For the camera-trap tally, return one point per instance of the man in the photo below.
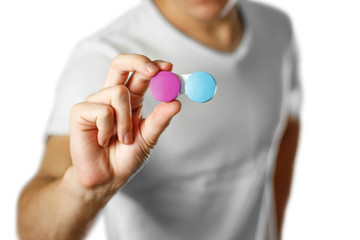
(222, 170)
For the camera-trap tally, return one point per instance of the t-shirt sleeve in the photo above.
(293, 86)
(83, 75)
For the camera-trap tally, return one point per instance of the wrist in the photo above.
(95, 197)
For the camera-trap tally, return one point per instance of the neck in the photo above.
(222, 33)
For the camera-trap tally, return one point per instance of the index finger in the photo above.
(123, 64)
(138, 83)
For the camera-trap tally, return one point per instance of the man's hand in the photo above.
(109, 140)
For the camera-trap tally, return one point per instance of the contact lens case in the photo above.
(199, 86)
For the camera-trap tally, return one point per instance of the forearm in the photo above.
(284, 169)
(57, 208)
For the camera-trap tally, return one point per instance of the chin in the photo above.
(207, 10)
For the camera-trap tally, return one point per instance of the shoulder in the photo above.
(108, 39)
(269, 13)
(270, 19)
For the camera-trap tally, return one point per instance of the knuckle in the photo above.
(107, 112)
(125, 125)
(138, 61)
(75, 112)
(120, 90)
(160, 62)
(90, 97)
(142, 58)
(75, 109)
(116, 62)
(133, 60)
(117, 59)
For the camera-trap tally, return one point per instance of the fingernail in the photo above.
(151, 67)
(128, 139)
(164, 64)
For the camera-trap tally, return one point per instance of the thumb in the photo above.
(158, 120)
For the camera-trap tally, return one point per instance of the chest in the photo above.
(231, 129)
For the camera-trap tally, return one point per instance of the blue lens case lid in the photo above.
(200, 86)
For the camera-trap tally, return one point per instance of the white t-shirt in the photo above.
(210, 175)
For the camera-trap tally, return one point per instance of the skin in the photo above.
(109, 140)
(284, 169)
(208, 26)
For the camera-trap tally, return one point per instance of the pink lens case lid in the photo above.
(165, 86)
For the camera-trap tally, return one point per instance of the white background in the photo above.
(38, 35)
